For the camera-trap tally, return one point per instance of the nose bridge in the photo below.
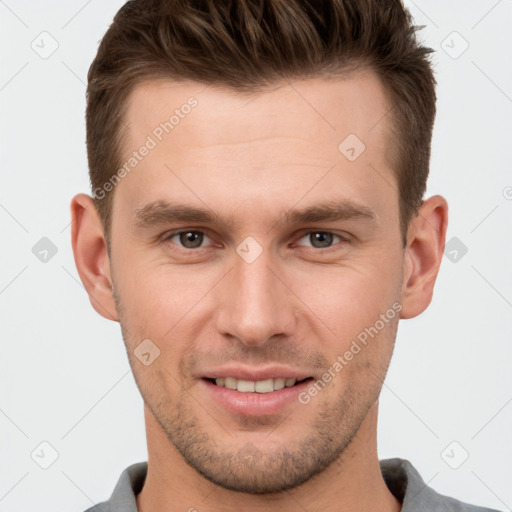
(255, 305)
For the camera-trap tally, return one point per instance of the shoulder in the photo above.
(100, 507)
(123, 498)
(404, 481)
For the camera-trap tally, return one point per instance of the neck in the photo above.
(352, 483)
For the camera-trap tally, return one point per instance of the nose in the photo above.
(255, 301)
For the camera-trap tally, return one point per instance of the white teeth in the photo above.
(259, 386)
(264, 386)
(245, 386)
(279, 383)
(230, 382)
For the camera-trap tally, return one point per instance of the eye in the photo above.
(193, 239)
(188, 238)
(321, 239)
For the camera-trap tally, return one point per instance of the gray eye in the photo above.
(320, 239)
(191, 239)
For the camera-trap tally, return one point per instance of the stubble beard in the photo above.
(250, 469)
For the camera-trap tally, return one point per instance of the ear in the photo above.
(91, 256)
(423, 254)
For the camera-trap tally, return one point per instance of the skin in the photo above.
(250, 159)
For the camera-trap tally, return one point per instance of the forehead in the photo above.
(231, 147)
(353, 103)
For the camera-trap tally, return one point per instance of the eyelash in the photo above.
(169, 235)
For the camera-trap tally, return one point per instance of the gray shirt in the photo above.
(400, 476)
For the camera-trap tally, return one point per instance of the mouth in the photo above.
(255, 398)
(256, 386)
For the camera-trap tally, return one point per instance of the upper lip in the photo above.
(256, 373)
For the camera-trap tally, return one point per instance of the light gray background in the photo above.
(64, 372)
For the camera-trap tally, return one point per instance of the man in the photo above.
(258, 229)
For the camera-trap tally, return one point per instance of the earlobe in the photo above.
(423, 255)
(91, 257)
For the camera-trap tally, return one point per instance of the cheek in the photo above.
(358, 364)
(157, 297)
(351, 298)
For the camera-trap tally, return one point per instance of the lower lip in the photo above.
(255, 404)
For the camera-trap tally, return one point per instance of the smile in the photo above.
(258, 386)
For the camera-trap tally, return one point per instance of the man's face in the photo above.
(259, 291)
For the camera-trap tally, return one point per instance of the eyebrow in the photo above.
(165, 212)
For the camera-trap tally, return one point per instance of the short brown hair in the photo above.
(245, 45)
